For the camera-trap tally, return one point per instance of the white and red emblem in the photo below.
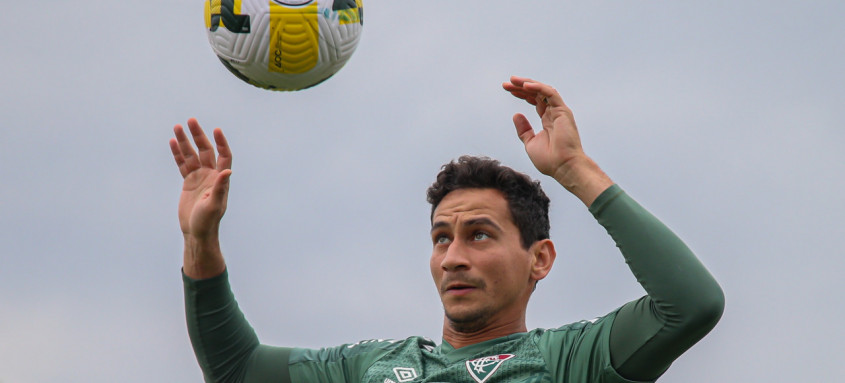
(482, 369)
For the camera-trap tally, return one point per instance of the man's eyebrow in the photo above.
(482, 221)
(438, 225)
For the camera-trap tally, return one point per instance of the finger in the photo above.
(544, 93)
(517, 84)
(528, 97)
(521, 87)
(520, 92)
(188, 154)
(545, 96)
(514, 85)
(519, 80)
(224, 153)
(523, 128)
(221, 187)
(539, 102)
(206, 151)
(178, 157)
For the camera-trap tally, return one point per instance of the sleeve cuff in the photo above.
(605, 198)
(207, 283)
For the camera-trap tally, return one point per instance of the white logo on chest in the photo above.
(482, 369)
(405, 374)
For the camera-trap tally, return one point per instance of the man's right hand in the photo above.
(204, 195)
(556, 150)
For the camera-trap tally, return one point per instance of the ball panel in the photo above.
(294, 39)
(287, 47)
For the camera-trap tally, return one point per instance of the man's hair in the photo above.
(528, 204)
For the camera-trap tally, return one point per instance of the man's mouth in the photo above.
(459, 288)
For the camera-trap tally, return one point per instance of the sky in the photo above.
(725, 119)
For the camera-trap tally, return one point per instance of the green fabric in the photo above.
(684, 301)
(222, 338)
(573, 353)
(638, 341)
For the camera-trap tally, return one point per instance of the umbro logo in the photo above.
(482, 369)
(404, 374)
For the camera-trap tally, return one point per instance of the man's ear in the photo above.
(543, 257)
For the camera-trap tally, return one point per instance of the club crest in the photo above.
(482, 369)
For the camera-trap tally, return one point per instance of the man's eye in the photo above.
(441, 240)
(479, 236)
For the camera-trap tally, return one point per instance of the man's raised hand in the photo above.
(556, 150)
(557, 143)
(204, 195)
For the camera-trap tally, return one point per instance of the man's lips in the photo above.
(460, 284)
(459, 288)
(460, 291)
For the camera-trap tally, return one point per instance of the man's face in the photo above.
(481, 270)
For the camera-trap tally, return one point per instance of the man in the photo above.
(490, 248)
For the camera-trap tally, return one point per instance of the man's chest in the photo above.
(517, 363)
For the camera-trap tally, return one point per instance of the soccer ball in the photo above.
(284, 44)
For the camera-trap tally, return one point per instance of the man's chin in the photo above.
(468, 322)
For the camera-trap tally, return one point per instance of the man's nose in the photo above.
(456, 257)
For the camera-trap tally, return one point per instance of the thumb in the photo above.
(523, 128)
(221, 186)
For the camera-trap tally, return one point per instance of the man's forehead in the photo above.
(472, 203)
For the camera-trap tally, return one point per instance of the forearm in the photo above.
(684, 301)
(202, 258)
(222, 339)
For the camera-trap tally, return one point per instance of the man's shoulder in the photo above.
(389, 344)
(579, 325)
(364, 347)
(577, 329)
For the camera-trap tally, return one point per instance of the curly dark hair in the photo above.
(528, 204)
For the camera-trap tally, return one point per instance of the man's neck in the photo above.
(457, 338)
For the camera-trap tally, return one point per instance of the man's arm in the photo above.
(225, 344)
(684, 302)
(204, 196)
(226, 347)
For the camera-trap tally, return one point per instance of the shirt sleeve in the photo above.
(344, 363)
(684, 301)
(225, 345)
(579, 352)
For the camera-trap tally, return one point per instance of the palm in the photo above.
(558, 142)
(205, 189)
(197, 210)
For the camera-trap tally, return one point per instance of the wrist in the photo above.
(202, 257)
(582, 177)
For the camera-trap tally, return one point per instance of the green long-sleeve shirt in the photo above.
(636, 342)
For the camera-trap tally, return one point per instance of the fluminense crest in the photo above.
(482, 369)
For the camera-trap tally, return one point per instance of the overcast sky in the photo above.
(726, 119)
